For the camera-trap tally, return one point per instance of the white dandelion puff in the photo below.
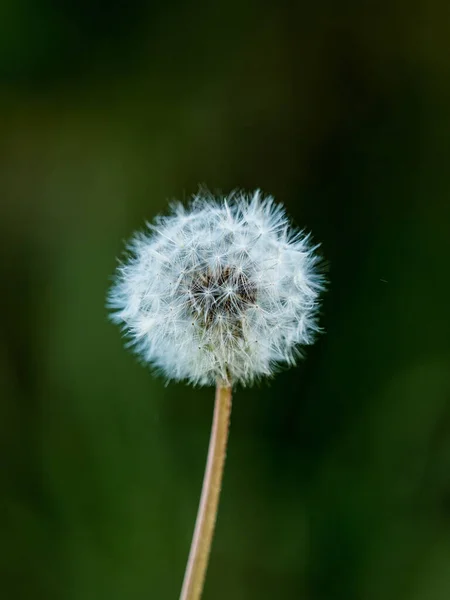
(223, 289)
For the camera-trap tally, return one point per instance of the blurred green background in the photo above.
(337, 483)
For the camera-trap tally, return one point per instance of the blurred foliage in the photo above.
(338, 475)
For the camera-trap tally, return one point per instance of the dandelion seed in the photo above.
(189, 284)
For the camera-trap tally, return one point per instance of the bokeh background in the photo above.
(337, 483)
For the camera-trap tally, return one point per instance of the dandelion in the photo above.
(222, 290)
(219, 293)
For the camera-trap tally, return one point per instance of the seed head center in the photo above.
(219, 295)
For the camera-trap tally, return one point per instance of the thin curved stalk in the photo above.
(194, 576)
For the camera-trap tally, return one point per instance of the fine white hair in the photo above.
(221, 290)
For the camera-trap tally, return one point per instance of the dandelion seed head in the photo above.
(223, 289)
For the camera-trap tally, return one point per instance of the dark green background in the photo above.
(337, 483)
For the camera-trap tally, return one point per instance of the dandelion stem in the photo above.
(194, 576)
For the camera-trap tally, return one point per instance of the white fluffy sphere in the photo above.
(222, 290)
